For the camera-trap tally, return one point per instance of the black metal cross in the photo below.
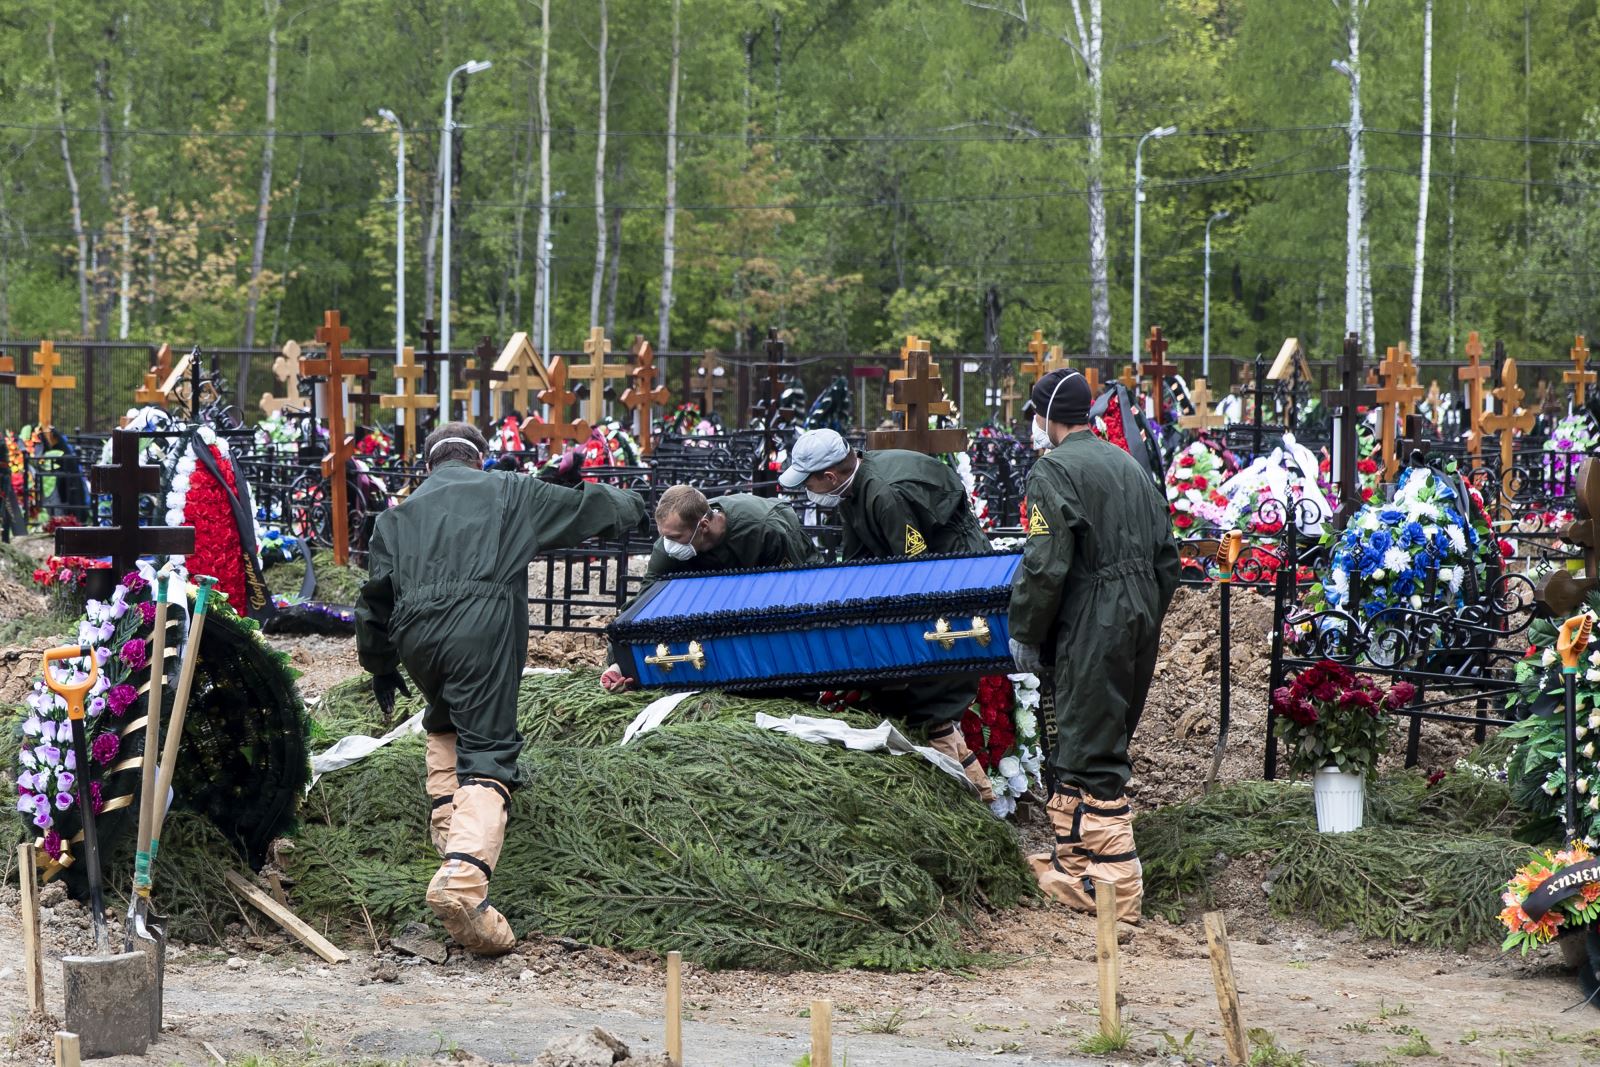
(430, 357)
(1348, 399)
(776, 366)
(483, 375)
(366, 398)
(1416, 441)
(124, 479)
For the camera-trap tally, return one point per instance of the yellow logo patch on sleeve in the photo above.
(1036, 523)
(916, 544)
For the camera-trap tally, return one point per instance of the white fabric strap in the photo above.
(451, 440)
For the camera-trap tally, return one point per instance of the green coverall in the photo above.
(761, 533)
(447, 595)
(905, 503)
(1097, 574)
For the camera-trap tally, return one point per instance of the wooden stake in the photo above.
(32, 959)
(67, 1052)
(822, 1033)
(1105, 933)
(675, 1007)
(1233, 1032)
(285, 918)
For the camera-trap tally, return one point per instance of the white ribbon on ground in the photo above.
(884, 737)
(654, 714)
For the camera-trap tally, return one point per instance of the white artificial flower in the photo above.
(207, 436)
(1339, 581)
(1010, 767)
(1548, 659)
(1172, 492)
(1594, 802)
(1581, 732)
(1379, 575)
(1583, 785)
(1182, 505)
(1594, 720)
(174, 517)
(1369, 520)
(1002, 806)
(1588, 750)
(1396, 559)
(1027, 724)
(1458, 540)
(180, 483)
(1592, 675)
(1416, 600)
(175, 501)
(1017, 783)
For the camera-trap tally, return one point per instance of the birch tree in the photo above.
(1356, 283)
(541, 259)
(1085, 40)
(258, 249)
(670, 224)
(1423, 177)
(600, 178)
(72, 184)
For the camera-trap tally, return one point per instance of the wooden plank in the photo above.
(822, 1033)
(1233, 1031)
(285, 918)
(1105, 933)
(675, 1007)
(32, 958)
(67, 1050)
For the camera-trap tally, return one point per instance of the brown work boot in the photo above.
(459, 892)
(1094, 843)
(946, 738)
(441, 764)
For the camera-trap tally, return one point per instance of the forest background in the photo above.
(845, 170)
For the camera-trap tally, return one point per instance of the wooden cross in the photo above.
(596, 372)
(406, 399)
(1349, 399)
(430, 356)
(1130, 379)
(287, 369)
(482, 372)
(44, 379)
(1009, 397)
(366, 397)
(1507, 421)
(644, 395)
(896, 374)
(1038, 347)
(174, 371)
(8, 371)
(1203, 418)
(1433, 400)
(1582, 377)
(1397, 398)
(558, 397)
(334, 367)
(711, 374)
(1158, 367)
(524, 373)
(919, 393)
(1473, 374)
(150, 392)
(163, 365)
(124, 479)
(769, 409)
(1092, 376)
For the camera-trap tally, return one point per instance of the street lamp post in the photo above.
(473, 67)
(1138, 224)
(1205, 330)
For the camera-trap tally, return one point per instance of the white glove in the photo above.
(1027, 658)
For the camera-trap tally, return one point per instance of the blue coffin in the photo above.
(820, 627)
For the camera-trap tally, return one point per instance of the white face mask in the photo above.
(680, 551)
(835, 498)
(1041, 438)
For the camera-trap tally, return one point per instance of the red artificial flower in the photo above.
(218, 551)
(1366, 495)
(1199, 481)
(1367, 466)
(1182, 520)
(1186, 460)
(1506, 551)
(1435, 778)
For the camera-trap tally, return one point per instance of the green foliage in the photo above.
(1099, 1044)
(736, 845)
(335, 584)
(1427, 867)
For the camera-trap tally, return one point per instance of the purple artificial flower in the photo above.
(49, 755)
(96, 706)
(105, 748)
(96, 801)
(63, 801)
(135, 654)
(25, 804)
(133, 581)
(25, 782)
(65, 780)
(71, 762)
(147, 609)
(52, 845)
(119, 697)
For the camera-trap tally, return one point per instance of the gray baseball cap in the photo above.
(813, 451)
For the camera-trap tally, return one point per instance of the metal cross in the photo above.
(124, 479)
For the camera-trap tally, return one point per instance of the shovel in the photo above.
(156, 924)
(137, 932)
(101, 991)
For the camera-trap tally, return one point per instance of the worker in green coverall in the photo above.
(734, 532)
(447, 596)
(892, 502)
(1098, 572)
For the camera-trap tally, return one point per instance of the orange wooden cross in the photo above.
(711, 374)
(150, 392)
(1009, 397)
(644, 395)
(1396, 396)
(163, 365)
(1038, 347)
(1203, 418)
(287, 369)
(1582, 377)
(902, 372)
(8, 371)
(334, 368)
(920, 393)
(1507, 421)
(1092, 376)
(1474, 374)
(406, 400)
(559, 398)
(1158, 368)
(1130, 379)
(45, 381)
(596, 372)
(524, 373)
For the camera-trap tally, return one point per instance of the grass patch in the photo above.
(335, 584)
(1099, 1044)
(41, 629)
(1426, 868)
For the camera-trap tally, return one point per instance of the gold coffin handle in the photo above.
(695, 657)
(947, 637)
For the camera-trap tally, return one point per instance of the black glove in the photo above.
(568, 471)
(384, 687)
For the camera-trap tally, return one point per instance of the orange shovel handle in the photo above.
(75, 692)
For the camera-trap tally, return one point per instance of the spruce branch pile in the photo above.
(1427, 868)
(736, 845)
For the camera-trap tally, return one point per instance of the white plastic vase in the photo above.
(1341, 800)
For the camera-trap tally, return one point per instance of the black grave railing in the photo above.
(56, 487)
(1462, 659)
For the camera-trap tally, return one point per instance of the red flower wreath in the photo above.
(1113, 422)
(217, 549)
(987, 726)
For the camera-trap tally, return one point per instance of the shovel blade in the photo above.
(148, 939)
(102, 993)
